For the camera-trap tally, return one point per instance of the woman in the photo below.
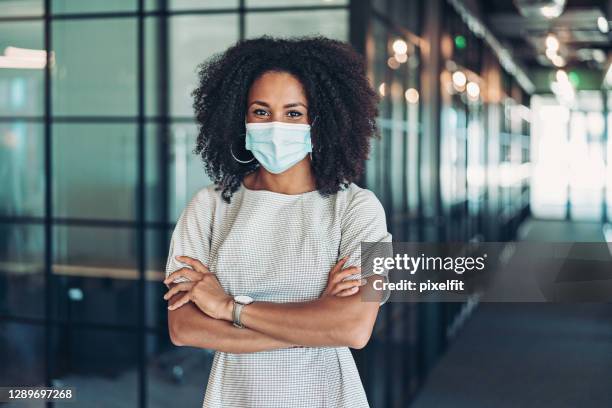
(264, 264)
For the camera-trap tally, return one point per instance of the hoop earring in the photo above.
(238, 160)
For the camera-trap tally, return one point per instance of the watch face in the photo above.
(244, 299)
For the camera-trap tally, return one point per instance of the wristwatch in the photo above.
(240, 301)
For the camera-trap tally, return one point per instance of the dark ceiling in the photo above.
(582, 44)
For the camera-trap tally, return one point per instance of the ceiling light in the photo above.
(24, 58)
(558, 61)
(381, 89)
(552, 42)
(412, 95)
(21, 63)
(11, 51)
(393, 63)
(473, 90)
(550, 11)
(400, 46)
(459, 79)
(562, 76)
(401, 58)
(553, 9)
(540, 8)
(602, 24)
(599, 56)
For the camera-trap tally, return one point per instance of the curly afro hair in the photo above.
(338, 92)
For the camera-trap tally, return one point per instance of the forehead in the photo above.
(277, 86)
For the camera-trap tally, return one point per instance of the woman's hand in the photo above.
(337, 286)
(204, 290)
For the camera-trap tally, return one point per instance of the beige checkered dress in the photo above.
(280, 248)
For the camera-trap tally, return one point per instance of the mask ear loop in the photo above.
(311, 126)
(237, 159)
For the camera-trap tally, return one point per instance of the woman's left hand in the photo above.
(206, 292)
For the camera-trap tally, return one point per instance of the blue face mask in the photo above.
(278, 146)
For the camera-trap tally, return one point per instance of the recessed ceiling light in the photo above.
(558, 61)
(399, 46)
(602, 24)
(459, 79)
(552, 42)
(550, 53)
(562, 76)
(473, 90)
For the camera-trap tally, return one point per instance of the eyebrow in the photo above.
(289, 105)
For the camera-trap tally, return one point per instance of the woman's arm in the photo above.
(188, 326)
(327, 321)
(197, 329)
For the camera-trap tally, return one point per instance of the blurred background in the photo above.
(495, 122)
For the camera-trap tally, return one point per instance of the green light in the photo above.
(574, 78)
(460, 42)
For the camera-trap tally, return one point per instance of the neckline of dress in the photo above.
(274, 193)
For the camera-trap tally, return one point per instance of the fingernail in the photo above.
(355, 288)
(177, 256)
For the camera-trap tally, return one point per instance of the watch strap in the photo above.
(237, 310)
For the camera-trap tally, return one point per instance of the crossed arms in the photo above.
(199, 314)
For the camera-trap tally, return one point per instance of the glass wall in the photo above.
(462, 139)
(393, 54)
(96, 140)
(389, 367)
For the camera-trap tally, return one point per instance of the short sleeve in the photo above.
(364, 221)
(192, 233)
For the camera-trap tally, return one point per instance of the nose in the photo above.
(276, 116)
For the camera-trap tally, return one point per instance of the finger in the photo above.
(179, 287)
(186, 273)
(347, 284)
(348, 292)
(338, 266)
(183, 300)
(346, 272)
(194, 263)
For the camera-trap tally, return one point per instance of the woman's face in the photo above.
(277, 97)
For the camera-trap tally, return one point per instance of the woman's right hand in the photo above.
(337, 286)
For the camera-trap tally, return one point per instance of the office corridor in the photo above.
(532, 354)
(492, 125)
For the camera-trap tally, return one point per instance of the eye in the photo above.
(260, 112)
(294, 114)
